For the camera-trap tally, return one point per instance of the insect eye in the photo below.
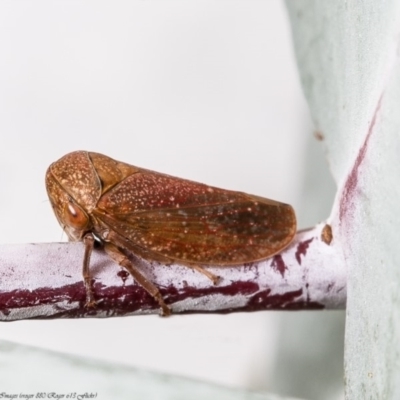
(74, 216)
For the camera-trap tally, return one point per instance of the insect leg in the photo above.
(123, 260)
(88, 240)
(208, 274)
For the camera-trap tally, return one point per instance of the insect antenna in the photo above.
(62, 232)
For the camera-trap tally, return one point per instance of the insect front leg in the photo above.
(124, 261)
(88, 241)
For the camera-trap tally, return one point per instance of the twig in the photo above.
(45, 281)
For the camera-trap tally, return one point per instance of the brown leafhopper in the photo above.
(161, 218)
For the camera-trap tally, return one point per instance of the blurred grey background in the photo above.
(205, 90)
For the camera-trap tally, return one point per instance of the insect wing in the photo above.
(192, 223)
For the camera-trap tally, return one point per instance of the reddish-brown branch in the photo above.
(45, 281)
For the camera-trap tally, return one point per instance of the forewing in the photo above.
(193, 223)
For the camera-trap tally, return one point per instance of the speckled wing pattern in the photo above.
(190, 223)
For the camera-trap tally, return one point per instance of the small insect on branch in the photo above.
(161, 218)
(43, 281)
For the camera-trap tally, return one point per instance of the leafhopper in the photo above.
(161, 218)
